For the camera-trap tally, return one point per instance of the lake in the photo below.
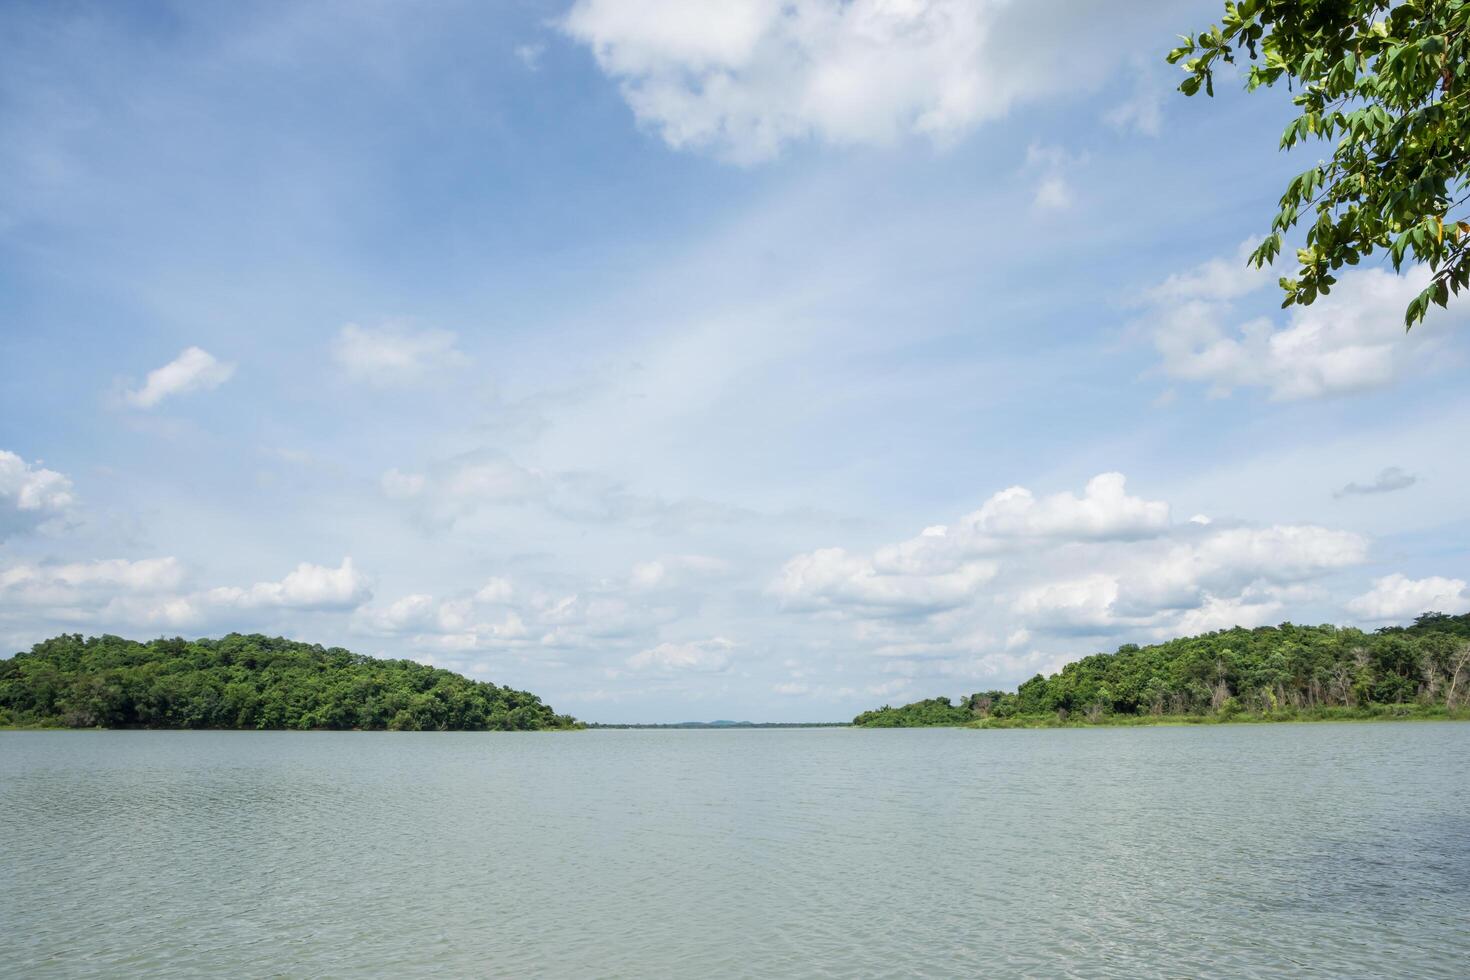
(1308, 850)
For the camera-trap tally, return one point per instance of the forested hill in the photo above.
(252, 681)
(1273, 672)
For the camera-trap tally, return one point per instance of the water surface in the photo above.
(1306, 850)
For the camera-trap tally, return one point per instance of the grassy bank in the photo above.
(1372, 712)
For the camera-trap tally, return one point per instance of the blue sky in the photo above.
(675, 361)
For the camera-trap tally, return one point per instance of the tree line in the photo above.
(1272, 672)
(249, 681)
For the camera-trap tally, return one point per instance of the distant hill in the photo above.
(253, 681)
(732, 724)
(1274, 672)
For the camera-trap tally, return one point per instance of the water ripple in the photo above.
(1314, 851)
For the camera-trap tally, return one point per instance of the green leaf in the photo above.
(1388, 82)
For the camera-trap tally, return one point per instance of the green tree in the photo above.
(251, 681)
(1270, 671)
(1388, 84)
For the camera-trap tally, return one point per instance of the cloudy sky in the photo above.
(770, 360)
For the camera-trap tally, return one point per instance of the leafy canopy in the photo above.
(1389, 83)
(249, 682)
(1273, 671)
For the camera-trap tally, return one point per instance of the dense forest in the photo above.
(250, 681)
(1275, 672)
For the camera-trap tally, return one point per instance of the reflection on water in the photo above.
(1309, 850)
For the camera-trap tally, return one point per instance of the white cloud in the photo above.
(1398, 597)
(72, 583)
(1102, 564)
(308, 587)
(138, 593)
(174, 613)
(1215, 280)
(702, 656)
(1103, 512)
(1011, 520)
(1220, 614)
(145, 575)
(835, 577)
(496, 590)
(941, 568)
(410, 612)
(745, 77)
(30, 494)
(1081, 602)
(1351, 340)
(194, 369)
(476, 622)
(394, 354)
(110, 593)
(1229, 557)
(501, 616)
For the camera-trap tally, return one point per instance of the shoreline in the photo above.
(1317, 716)
(1331, 715)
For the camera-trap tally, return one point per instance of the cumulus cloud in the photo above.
(1398, 597)
(1087, 602)
(454, 623)
(115, 593)
(108, 593)
(1349, 341)
(834, 577)
(1105, 511)
(502, 616)
(496, 590)
(394, 354)
(702, 656)
(1100, 564)
(743, 78)
(70, 583)
(194, 369)
(944, 565)
(30, 495)
(1387, 481)
(1217, 613)
(308, 587)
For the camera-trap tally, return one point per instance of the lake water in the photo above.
(1305, 850)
